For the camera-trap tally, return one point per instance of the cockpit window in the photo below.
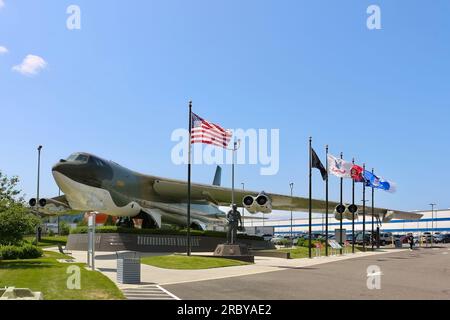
(82, 158)
(78, 157)
(98, 162)
(72, 157)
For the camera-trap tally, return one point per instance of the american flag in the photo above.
(206, 132)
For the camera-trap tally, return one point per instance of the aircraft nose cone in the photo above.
(61, 167)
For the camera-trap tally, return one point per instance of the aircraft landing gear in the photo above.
(126, 222)
(147, 221)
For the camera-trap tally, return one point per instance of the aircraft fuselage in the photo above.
(93, 184)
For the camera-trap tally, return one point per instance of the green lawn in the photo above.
(190, 263)
(303, 252)
(49, 241)
(49, 276)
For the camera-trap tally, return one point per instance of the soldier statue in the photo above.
(234, 222)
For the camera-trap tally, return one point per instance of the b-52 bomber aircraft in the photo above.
(92, 184)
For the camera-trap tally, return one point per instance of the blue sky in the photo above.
(119, 87)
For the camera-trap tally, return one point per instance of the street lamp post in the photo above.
(243, 209)
(57, 218)
(432, 223)
(291, 185)
(38, 235)
(236, 146)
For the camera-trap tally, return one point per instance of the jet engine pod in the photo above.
(42, 202)
(32, 202)
(250, 204)
(350, 212)
(340, 208)
(352, 208)
(260, 203)
(264, 204)
(339, 212)
(248, 201)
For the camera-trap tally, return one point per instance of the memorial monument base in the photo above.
(234, 251)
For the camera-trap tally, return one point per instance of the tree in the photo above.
(16, 220)
(9, 192)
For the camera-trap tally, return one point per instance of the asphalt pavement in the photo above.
(419, 274)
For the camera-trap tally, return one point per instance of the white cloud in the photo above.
(2, 4)
(3, 50)
(31, 65)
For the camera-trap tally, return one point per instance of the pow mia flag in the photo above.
(316, 163)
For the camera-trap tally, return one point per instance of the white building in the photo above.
(439, 222)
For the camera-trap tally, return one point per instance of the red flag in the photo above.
(357, 173)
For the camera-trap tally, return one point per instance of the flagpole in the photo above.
(364, 212)
(353, 214)
(326, 205)
(340, 222)
(310, 198)
(373, 210)
(189, 184)
(232, 173)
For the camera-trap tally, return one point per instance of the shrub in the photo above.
(51, 233)
(31, 252)
(301, 242)
(304, 242)
(64, 228)
(285, 242)
(82, 223)
(26, 251)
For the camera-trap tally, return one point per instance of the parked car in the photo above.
(446, 238)
(277, 240)
(438, 238)
(426, 237)
(350, 238)
(360, 240)
(385, 238)
(267, 237)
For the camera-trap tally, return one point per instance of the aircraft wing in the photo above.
(177, 190)
(53, 206)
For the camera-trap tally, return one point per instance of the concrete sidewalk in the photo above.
(106, 263)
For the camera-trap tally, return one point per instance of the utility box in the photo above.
(338, 232)
(128, 267)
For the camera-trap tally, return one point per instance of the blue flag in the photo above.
(376, 182)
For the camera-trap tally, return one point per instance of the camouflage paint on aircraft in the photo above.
(90, 183)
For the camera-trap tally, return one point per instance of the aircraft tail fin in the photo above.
(217, 177)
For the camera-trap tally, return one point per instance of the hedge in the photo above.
(304, 242)
(26, 251)
(114, 229)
